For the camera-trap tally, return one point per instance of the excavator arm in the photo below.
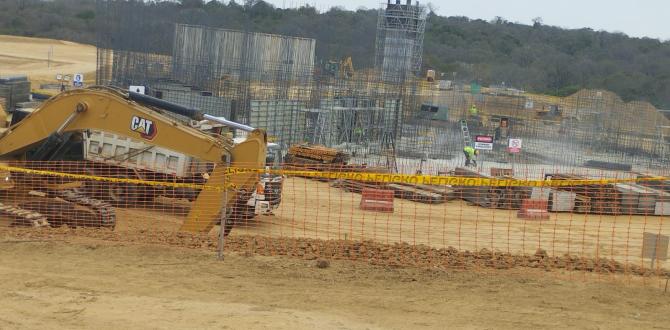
(111, 110)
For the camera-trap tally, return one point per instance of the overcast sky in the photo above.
(641, 18)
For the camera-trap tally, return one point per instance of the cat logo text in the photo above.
(145, 127)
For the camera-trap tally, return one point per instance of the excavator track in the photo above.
(71, 207)
(106, 214)
(22, 217)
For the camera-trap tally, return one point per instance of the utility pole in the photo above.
(49, 56)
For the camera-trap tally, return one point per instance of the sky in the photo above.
(642, 18)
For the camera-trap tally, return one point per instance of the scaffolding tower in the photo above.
(399, 42)
(370, 124)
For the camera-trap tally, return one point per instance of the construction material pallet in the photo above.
(358, 186)
(593, 198)
(416, 194)
(509, 198)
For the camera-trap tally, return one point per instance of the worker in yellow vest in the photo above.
(470, 154)
(473, 111)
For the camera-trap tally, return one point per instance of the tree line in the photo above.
(537, 58)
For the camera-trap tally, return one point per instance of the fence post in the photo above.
(222, 225)
(224, 217)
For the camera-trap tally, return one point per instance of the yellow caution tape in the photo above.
(440, 180)
(354, 176)
(114, 180)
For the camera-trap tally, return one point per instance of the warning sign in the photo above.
(484, 138)
(483, 146)
(514, 145)
(78, 80)
(483, 142)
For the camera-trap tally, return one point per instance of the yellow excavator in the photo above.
(343, 69)
(42, 134)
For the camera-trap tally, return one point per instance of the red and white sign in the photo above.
(484, 138)
(483, 142)
(514, 145)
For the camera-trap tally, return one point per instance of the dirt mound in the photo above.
(391, 255)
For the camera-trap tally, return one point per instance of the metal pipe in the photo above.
(184, 111)
(67, 122)
(226, 122)
(165, 105)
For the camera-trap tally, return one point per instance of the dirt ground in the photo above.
(312, 209)
(94, 284)
(315, 210)
(30, 56)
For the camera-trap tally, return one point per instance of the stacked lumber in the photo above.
(592, 198)
(509, 198)
(663, 185)
(638, 199)
(415, 193)
(422, 193)
(319, 158)
(316, 153)
(358, 186)
(662, 206)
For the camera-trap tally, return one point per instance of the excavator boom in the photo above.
(112, 110)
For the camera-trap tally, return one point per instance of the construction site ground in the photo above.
(87, 283)
(316, 210)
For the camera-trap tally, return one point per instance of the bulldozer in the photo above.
(46, 134)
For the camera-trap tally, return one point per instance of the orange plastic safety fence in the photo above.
(614, 228)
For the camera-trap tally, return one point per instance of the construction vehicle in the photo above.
(47, 133)
(430, 76)
(134, 159)
(551, 112)
(343, 69)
